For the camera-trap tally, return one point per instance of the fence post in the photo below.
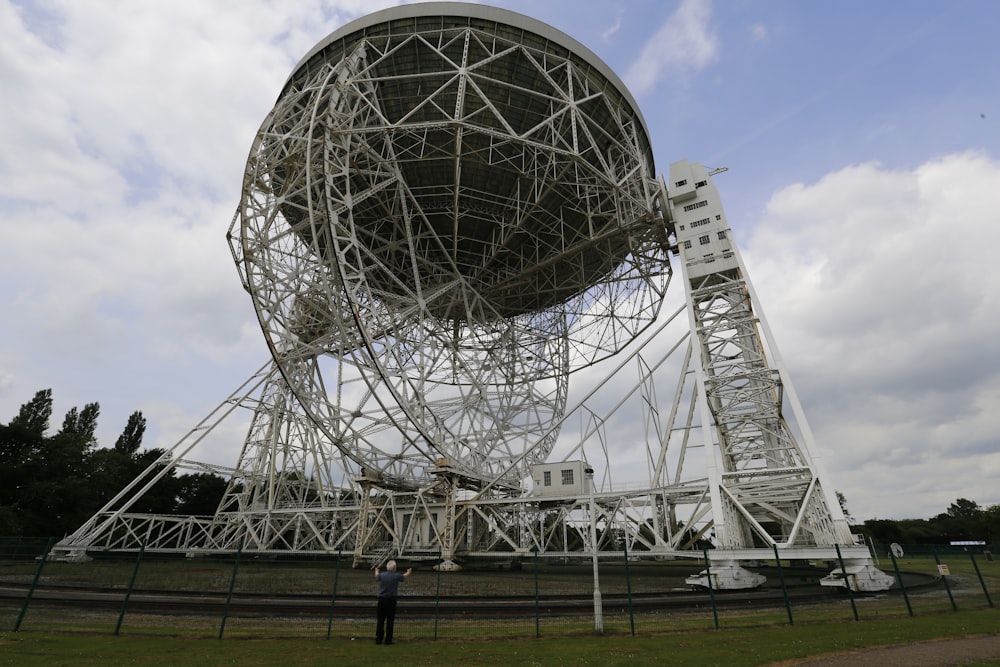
(784, 588)
(333, 598)
(899, 580)
(847, 582)
(628, 586)
(232, 584)
(711, 588)
(437, 594)
(34, 582)
(944, 577)
(981, 582)
(538, 627)
(131, 584)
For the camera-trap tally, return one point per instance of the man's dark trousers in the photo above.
(385, 618)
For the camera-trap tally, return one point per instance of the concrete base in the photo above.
(862, 575)
(71, 556)
(726, 577)
(448, 566)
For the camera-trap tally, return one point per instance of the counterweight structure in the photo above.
(454, 241)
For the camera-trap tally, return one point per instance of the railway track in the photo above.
(265, 605)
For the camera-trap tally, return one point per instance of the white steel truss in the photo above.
(767, 490)
(438, 224)
(443, 222)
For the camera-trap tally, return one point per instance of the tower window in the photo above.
(547, 478)
(703, 240)
(567, 476)
(722, 234)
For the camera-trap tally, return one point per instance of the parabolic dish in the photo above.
(449, 209)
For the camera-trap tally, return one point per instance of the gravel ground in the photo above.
(965, 651)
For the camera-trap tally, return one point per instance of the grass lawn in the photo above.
(732, 647)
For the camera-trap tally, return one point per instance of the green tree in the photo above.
(45, 487)
(199, 494)
(25, 500)
(60, 494)
(131, 438)
(34, 415)
(964, 520)
(82, 424)
(842, 500)
(50, 485)
(991, 524)
(162, 497)
(965, 509)
(20, 445)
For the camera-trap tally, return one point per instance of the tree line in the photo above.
(964, 520)
(50, 484)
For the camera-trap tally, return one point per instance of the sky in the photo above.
(862, 147)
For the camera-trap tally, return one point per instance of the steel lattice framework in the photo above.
(450, 213)
(444, 216)
(766, 488)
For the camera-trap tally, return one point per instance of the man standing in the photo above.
(388, 593)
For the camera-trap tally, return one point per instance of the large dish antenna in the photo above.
(449, 209)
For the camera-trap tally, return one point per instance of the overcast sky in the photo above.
(862, 141)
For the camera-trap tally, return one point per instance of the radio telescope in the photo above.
(448, 210)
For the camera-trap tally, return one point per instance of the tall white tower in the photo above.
(767, 487)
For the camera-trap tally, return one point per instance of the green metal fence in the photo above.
(244, 595)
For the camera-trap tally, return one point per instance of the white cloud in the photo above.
(685, 43)
(882, 291)
(125, 130)
(612, 30)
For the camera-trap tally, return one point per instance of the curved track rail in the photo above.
(267, 605)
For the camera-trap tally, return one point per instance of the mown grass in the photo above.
(733, 647)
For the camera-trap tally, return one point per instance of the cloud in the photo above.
(685, 43)
(614, 28)
(882, 291)
(126, 129)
